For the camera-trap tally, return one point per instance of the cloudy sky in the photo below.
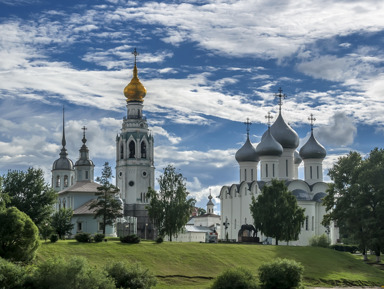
(207, 66)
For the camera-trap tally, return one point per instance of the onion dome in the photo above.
(297, 158)
(63, 163)
(247, 153)
(284, 134)
(135, 91)
(210, 203)
(269, 146)
(312, 149)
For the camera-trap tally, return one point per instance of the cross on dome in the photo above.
(247, 123)
(84, 139)
(312, 120)
(135, 53)
(269, 117)
(281, 96)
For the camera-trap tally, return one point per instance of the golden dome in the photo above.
(135, 91)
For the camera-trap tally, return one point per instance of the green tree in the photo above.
(107, 207)
(201, 211)
(171, 208)
(276, 214)
(61, 222)
(355, 199)
(19, 236)
(30, 194)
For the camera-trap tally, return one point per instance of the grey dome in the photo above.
(269, 146)
(312, 149)
(301, 195)
(319, 197)
(62, 164)
(247, 153)
(284, 134)
(297, 158)
(82, 162)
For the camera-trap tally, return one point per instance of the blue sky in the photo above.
(207, 67)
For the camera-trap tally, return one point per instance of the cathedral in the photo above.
(276, 157)
(135, 171)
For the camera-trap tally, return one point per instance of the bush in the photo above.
(75, 273)
(319, 241)
(345, 248)
(131, 276)
(11, 275)
(19, 236)
(281, 274)
(98, 238)
(54, 238)
(83, 237)
(132, 239)
(159, 240)
(236, 278)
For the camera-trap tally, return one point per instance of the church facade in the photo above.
(135, 172)
(276, 157)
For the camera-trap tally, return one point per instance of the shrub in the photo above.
(98, 238)
(132, 239)
(236, 278)
(19, 236)
(281, 274)
(11, 275)
(345, 248)
(75, 273)
(319, 241)
(83, 237)
(54, 238)
(159, 240)
(131, 276)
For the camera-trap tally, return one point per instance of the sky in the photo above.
(207, 67)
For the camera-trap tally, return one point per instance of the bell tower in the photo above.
(135, 170)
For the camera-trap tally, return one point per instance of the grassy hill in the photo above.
(194, 265)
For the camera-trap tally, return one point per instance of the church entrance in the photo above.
(248, 234)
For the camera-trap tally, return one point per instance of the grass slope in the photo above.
(194, 265)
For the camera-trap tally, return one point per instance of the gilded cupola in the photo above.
(135, 90)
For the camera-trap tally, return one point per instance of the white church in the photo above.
(276, 157)
(135, 172)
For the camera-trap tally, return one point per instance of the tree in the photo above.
(355, 199)
(19, 236)
(107, 207)
(61, 222)
(171, 208)
(30, 194)
(201, 211)
(276, 214)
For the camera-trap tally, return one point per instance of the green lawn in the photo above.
(194, 265)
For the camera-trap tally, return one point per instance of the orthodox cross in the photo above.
(84, 139)
(281, 96)
(226, 224)
(247, 123)
(269, 118)
(135, 53)
(312, 120)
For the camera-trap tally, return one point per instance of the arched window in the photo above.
(266, 170)
(121, 151)
(310, 172)
(65, 181)
(58, 181)
(143, 150)
(245, 174)
(71, 180)
(131, 149)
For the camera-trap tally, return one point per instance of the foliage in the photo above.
(201, 211)
(345, 248)
(54, 238)
(131, 239)
(11, 275)
(281, 274)
(159, 240)
(355, 198)
(171, 208)
(19, 236)
(235, 278)
(30, 194)
(320, 241)
(131, 276)
(83, 237)
(98, 238)
(46, 231)
(276, 214)
(75, 273)
(61, 222)
(107, 207)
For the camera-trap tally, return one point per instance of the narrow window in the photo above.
(317, 169)
(131, 149)
(79, 226)
(273, 170)
(286, 168)
(310, 172)
(58, 181)
(313, 223)
(86, 175)
(245, 174)
(266, 170)
(252, 175)
(235, 224)
(65, 181)
(121, 151)
(306, 223)
(245, 221)
(64, 203)
(101, 226)
(71, 180)
(143, 150)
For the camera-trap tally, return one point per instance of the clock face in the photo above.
(120, 174)
(144, 174)
(131, 183)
